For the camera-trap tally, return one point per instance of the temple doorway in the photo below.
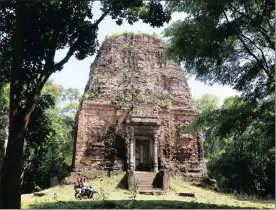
(143, 153)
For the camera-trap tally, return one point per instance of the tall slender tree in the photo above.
(30, 34)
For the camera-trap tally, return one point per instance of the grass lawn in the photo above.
(111, 196)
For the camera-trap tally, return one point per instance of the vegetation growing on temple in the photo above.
(163, 99)
(138, 34)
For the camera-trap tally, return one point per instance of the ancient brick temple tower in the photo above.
(134, 107)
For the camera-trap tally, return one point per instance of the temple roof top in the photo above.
(133, 34)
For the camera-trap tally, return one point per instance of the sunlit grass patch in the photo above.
(110, 196)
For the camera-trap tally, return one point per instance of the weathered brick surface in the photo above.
(131, 81)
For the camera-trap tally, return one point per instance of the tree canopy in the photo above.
(207, 102)
(239, 145)
(212, 144)
(230, 42)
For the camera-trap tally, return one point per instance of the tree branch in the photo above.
(263, 56)
(59, 65)
(50, 67)
(24, 169)
(261, 29)
(244, 44)
(30, 104)
(270, 42)
(270, 26)
(72, 49)
(251, 53)
(101, 18)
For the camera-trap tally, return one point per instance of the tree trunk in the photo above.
(18, 120)
(12, 166)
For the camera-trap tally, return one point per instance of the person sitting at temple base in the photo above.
(87, 191)
(78, 187)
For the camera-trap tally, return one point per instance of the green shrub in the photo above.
(155, 35)
(139, 34)
(140, 97)
(37, 189)
(163, 100)
(123, 102)
(128, 46)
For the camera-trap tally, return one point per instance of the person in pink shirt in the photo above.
(77, 187)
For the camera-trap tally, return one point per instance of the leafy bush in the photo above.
(141, 96)
(163, 99)
(139, 34)
(239, 142)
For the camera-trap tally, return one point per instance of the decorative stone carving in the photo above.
(150, 111)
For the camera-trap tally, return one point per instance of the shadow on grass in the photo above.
(129, 204)
(123, 183)
(240, 197)
(254, 198)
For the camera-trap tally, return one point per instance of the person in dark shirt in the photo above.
(86, 190)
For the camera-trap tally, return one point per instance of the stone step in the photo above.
(144, 186)
(144, 180)
(146, 189)
(144, 172)
(145, 175)
(144, 183)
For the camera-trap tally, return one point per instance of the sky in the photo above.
(75, 73)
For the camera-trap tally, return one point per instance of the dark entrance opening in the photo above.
(143, 154)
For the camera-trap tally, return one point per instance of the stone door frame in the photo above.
(150, 131)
